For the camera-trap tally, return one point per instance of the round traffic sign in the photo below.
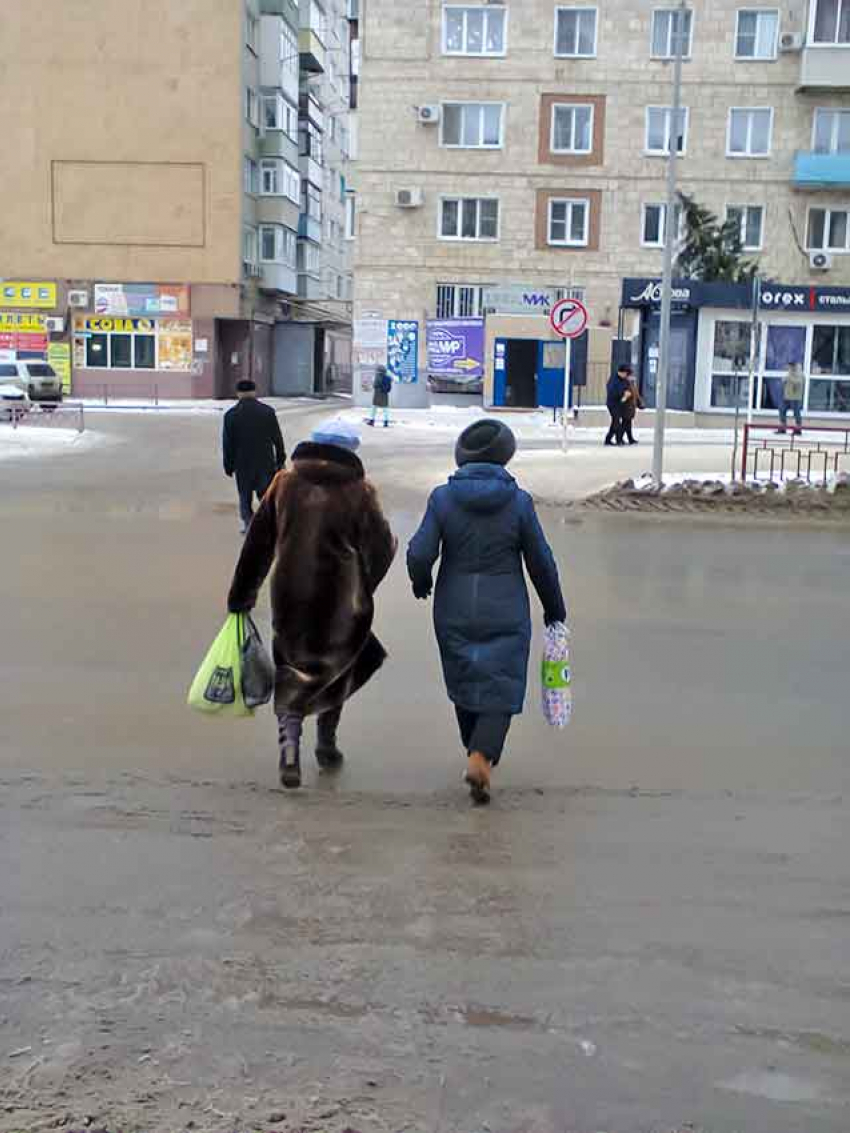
(569, 318)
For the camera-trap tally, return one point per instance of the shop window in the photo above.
(757, 33)
(660, 130)
(667, 29)
(730, 363)
(829, 386)
(474, 30)
(749, 221)
(572, 128)
(749, 131)
(97, 350)
(575, 33)
(831, 21)
(144, 351)
(831, 131)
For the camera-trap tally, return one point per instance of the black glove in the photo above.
(422, 590)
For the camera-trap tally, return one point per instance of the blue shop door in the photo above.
(550, 371)
(680, 388)
(500, 371)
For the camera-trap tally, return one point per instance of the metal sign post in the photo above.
(569, 320)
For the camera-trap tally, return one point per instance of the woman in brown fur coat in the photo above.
(322, 527)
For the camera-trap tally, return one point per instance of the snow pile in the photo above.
(29, 441)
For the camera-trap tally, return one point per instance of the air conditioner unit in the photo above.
(54, 325)
(791, 41)
(255, 271)
(78, 298)
(428, 115)
(409, 198)
(820, 261)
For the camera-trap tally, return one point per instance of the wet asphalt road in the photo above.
(650, 927)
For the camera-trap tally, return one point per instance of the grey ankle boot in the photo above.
(289, 739)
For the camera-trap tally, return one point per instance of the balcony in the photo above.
(279, 277)
(312, 51)
(814, 171)
(286, 8)
(278, 210)
(310, 286)
(825, 67)
(275, 143)
(309, 228)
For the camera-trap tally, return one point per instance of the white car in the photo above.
(13, 401)
(38, 379)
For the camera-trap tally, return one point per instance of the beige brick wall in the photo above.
(399, 259)
(103, 87)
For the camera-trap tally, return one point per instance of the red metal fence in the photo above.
(814, 454)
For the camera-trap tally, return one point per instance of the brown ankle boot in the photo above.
(478, 777)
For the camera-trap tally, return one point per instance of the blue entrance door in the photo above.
(550, 374)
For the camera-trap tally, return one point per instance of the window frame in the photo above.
(837, 111)
(477, 239)
(350, 216)
(758, 12)
(827, 43)
(481, 106)
(465, 54)
(685, 111)
(669, 53)
(250, 244)
(826, 247)
(745, 208)
(570, 202)
(662, 205)
(132, 335)
(573, 106)
(748, 155)
(576, 54)
(252, 31)
(250, 176)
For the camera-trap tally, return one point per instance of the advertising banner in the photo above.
(141, 299)
(59, 357)
(175, 345)
(403, 350)
(455, 348)
(25, 333)
(14, 294)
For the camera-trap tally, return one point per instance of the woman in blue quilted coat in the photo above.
(483, 527)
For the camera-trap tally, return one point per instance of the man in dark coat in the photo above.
(322, 526)
(253, 449)
(381, 390)
(483, 528)
(616, 398)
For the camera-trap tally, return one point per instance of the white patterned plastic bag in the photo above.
(557, 676)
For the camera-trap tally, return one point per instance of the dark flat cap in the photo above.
(485, 442)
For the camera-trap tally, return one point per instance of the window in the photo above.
(749, 132)
(829, 230)
(472, 125)
(469, 218)
(474, 30)
(831, 131)
(289, 56)
(144, 351)
(659, 129)
(121, 351)
(251, 176)
(249, 245)
(311, 142)
(654, 230)
(575, 33)
(308, 257)
(251, 106)
(271, 177)
(831, 21)
(665, 34)
(311, 201)
(350, 215)
(756, 34)
(291, 183)
(572, 128)
(252, 32)
(568, 222)
(730, 364)
(277, 244)
(459, 300)
(749, 220)
(830, 357)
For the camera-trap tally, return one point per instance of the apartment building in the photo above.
(172, 221)
(514, 152)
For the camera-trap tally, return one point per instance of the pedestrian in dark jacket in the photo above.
(482, 527)
(321, 526)
(631, 405)
(381, 390)
(253, 448)
(616, 397)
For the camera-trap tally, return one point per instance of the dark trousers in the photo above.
(249, 485)
(291, 724)
(796, 408)
(627, 430)
(484, 731)
(618, 426)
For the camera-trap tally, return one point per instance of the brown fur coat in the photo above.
(322, 527)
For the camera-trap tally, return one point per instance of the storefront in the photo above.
(711, 342)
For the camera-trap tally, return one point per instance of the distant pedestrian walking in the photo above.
(321, 525)
(793, 388)
(253, 448)
(631, 406)
(617, 395)
(482, 528)
(381, 390)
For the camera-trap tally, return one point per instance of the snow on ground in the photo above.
(44, 441)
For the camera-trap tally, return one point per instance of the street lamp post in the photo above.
(669, 244)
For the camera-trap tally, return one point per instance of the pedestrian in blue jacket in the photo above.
(482, 527)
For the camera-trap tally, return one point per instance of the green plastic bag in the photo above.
(217, 688)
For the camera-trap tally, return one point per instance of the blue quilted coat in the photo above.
(482, 528)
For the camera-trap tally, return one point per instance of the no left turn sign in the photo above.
(569, 318)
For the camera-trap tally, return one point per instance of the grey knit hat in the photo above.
(485, 442)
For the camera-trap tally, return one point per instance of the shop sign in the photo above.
(403, 350)
(371, 333)
(108, 326)
(141, 299)
(175, 344)
(59, 357)
(518, 299)
(15, 294)
(781, 297)
(22, 332)
(455, 348)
